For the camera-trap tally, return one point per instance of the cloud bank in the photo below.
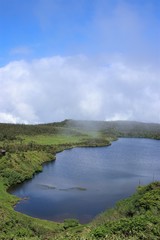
(77, 87)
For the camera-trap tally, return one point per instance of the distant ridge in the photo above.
(117, 128)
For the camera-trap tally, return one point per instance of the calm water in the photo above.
(83, 182)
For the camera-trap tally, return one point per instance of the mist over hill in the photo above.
(117, 128)
(74, 127)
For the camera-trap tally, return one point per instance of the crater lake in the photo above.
(83, 182)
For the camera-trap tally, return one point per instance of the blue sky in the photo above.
(60, 27)
(111, 47)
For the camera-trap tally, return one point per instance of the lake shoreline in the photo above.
(60, 149)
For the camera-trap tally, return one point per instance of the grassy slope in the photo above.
(137, 217)
(27, 148)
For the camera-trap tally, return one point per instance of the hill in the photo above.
(117, 128)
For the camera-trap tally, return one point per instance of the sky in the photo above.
(79, 59)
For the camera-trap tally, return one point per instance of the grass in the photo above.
(137, 217)
(53, 139)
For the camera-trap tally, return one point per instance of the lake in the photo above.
(83, 182)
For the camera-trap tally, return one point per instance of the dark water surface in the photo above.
(83, 182)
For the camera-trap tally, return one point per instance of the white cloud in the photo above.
(120, 116)
(9, 118)
(91, 103)
(52, 89)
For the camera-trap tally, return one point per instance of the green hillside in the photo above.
(29, 146)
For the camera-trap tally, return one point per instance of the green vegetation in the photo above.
(29, 146)
(137, 217)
